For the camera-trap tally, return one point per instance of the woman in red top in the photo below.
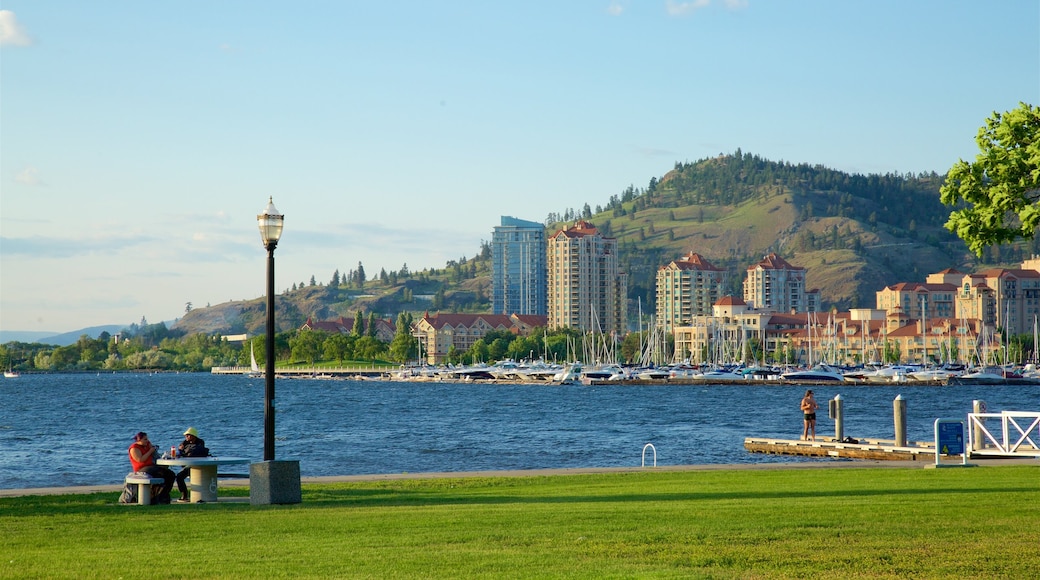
(142, 459)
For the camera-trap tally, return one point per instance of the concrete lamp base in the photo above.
(274, 482)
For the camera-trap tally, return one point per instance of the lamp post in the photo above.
(270, 223)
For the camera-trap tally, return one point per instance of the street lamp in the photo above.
(270, 223)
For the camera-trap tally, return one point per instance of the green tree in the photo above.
(369, 348)
(1001, 189)
(631, 346)
(370, 328)
(498, 349)
(308, 346)
(359, 325)
(360, 276)
(403, 347)
(479, 351)
(338, 347)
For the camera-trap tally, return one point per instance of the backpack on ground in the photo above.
(129, 495)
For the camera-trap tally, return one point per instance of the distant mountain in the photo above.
(855, 234)
(30, 336)
(63, 339)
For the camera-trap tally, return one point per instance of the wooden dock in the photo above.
(830, 447)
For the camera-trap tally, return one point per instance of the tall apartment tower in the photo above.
(775, 285)
(518, 267)
(686, 288)
(586, 289)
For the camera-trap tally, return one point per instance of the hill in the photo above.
(855, 234)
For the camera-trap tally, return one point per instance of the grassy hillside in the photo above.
(855, 234)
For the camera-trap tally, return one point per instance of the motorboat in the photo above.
(820, 373)
(603, 373)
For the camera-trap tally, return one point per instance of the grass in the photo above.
(827, 523)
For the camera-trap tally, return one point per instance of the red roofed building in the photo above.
(587, 289)
(1001, 297)
(686, 288)
(385, 329)
(777, 286)
(919, 300)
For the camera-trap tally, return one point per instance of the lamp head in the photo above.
(270, 223)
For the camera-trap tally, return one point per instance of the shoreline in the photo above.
(839, 464)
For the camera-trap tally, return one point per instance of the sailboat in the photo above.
(254, 369)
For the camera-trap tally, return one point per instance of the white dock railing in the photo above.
(1015, 440)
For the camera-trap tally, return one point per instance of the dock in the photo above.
(830, 447)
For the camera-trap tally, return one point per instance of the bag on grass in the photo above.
(129, 494)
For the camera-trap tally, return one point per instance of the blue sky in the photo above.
(138, 140)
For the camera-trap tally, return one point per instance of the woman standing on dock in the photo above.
(809, 407)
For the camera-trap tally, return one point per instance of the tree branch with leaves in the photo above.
(1000, 191)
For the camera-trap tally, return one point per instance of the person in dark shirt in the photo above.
(192, 446)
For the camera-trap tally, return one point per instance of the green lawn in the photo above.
(827, 523)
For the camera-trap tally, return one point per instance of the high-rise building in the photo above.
(777, 286)
(587, 290)
(686, 288)
(518, 267)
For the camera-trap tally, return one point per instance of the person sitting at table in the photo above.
(192, 446)
(142, 459)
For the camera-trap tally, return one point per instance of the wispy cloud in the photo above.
(674, 8)
(29, 176)
(11, 32)
(44, 247)
(615, 8)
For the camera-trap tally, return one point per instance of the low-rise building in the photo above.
(439, 333)
(385, 329)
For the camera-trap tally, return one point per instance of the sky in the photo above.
(139, 140)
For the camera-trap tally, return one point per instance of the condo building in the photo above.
(687, 288)
(587, 290)
(777, 286)
(518, 267)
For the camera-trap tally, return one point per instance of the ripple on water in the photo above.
(346, 427)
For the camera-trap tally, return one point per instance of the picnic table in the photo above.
(203, 475)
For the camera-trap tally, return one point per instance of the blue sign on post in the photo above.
(949, 438)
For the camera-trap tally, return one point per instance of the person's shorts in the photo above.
(810, 416)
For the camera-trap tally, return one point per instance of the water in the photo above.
(74, 429)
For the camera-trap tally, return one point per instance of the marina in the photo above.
(510, 372)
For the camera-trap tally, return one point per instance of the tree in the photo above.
(360, 276)
(335, 279)
(1002, 187)
(338, 347)
(359, 325)
(370, 328)
(308, 345)
(403, 347)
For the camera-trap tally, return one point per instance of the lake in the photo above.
(74, 429)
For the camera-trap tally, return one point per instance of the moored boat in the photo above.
(820, 373)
